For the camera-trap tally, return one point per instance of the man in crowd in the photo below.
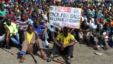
(41, 29)
(11, 32)
(64, 44)
(96, 20)
(3, 11)
(30, 38)
(22, 24)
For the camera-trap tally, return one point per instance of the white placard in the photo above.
(65, 16)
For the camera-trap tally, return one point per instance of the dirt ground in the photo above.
(82, 55)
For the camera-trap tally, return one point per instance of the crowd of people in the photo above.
(25, 24)
(97, 23)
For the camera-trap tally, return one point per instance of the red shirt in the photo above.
(12, 16)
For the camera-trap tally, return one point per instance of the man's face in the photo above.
(30, 29)
(8, 21)
(24, 17)
(65, 32)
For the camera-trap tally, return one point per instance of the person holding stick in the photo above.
(27, 46)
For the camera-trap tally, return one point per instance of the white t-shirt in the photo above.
(92, 24)
(45, 16)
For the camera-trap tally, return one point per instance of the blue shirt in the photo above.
(40, 29)
(65, 1)
(38, 1)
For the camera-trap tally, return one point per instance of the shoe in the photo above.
(47, 46)
(97, 47)
(22, 59)
(68, 61)
(8, 47)
(1, 45)
(71, 56)
(106, 48)
(18, 47)
(19, 55)
(49, 60)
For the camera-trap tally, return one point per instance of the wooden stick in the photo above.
(7, 51)
(34, 58)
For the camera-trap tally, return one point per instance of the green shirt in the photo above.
(107, 19)
(12, 28)
(3, 13)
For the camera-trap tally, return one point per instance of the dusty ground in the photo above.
(82, 55)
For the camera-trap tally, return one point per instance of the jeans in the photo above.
(15, 39)
(45, 41)
(2, 38)
(51, 35)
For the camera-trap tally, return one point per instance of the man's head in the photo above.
(1, 6)
(24, 17)
(30, 28)
(8, 19)
(65, 31)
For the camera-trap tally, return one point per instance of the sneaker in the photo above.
(19, 55)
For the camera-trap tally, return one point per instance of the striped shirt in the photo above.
(24, 24)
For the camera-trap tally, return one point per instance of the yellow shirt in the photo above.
(66, 40)
(29, 37)
(60, 37)
(12, 28)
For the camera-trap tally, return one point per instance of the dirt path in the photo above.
(82, 55)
